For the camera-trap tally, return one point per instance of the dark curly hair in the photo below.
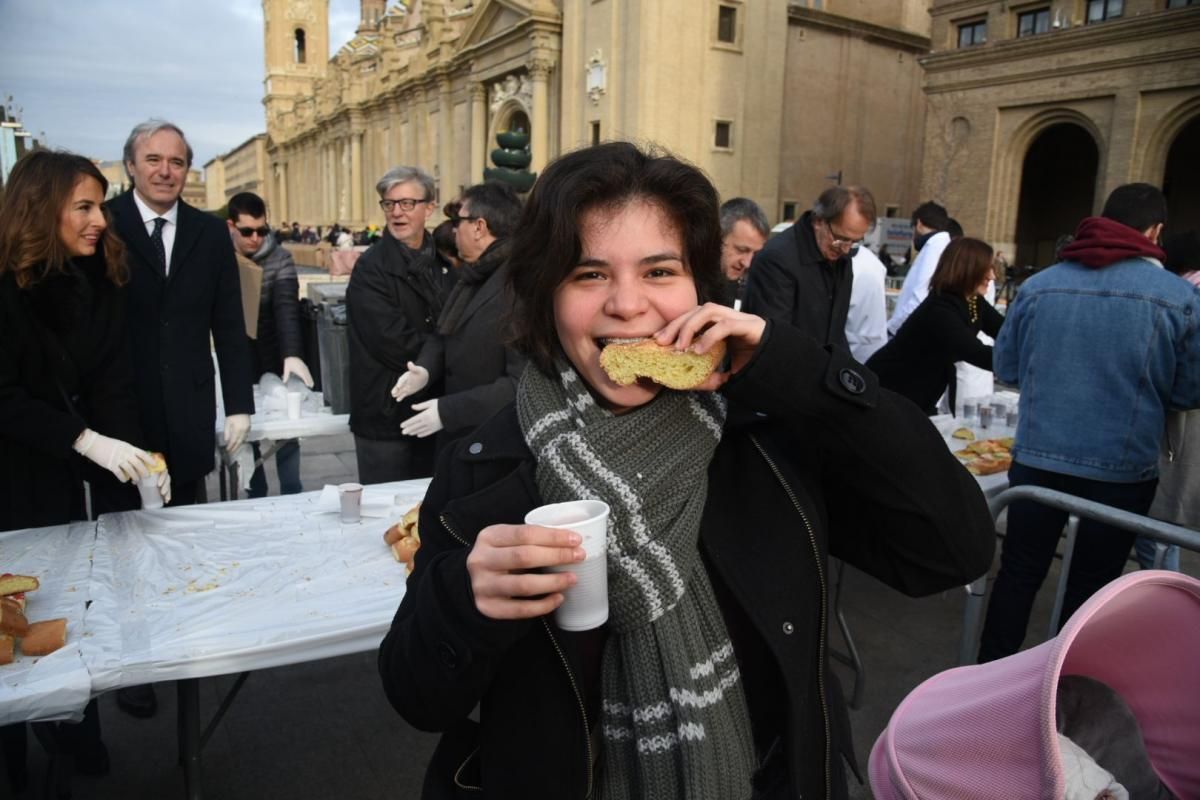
(547, 244)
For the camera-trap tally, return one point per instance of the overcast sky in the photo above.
(84, 73)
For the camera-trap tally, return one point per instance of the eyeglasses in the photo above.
(405, 203)
(455, 219)
(248, 232)
(838, 241)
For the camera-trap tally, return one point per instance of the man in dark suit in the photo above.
(183, 285)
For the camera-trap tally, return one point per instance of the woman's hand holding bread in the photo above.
(705, 327)
(504, 567)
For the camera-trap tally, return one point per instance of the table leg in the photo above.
(189, 736)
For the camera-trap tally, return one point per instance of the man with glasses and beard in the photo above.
(392, 305)
(803, 276)
(279, 345)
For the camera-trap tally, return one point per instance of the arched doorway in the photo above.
(1058, 189)
(1181, 179)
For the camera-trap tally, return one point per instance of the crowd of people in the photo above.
(474, 354)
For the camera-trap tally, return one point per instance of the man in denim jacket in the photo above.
(1101, 345)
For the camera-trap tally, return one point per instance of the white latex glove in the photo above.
(120, 458)
(426, 423)
(410, 382)
(236, 428)
(296, 366)
(164, 485)
(244, 458)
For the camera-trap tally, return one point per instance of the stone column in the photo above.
(356, 177)
(478, 131)
(283, 213)
(539, 137)
(449, 187)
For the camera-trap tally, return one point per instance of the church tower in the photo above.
(370, 13)
(296, 47)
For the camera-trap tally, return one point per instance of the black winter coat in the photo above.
(392, 303)
(477, 370)
(838, 466)
(279, 335)
(169, 323)
(919, 360)
(66, 331)
(789, 280)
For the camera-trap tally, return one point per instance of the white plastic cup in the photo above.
(970, 410)
(148, 489)
(350, 495)
(985, 417)
(585, 605)
(293, 404)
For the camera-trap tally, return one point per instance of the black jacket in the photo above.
(919, 360)
(392, 303)
(838, 466)
(478, 371)
(170, 321)
(61, 341)
(279, 335)
(791, 281)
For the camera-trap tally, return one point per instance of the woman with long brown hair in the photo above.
(919, 361)
(66, 387)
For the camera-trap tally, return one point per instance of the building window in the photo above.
(789, 211)
(1182, 3)
(727, 24)
(1033, 22)
(723, 135)
(595, 133)
(891, 211)
(298, 52)
(1100, 10)
(972, 33)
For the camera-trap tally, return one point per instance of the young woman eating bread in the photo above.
(710, 678)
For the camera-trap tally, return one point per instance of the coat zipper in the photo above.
(812, 538)
(587, 739)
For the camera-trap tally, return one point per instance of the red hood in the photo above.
(1100, 241)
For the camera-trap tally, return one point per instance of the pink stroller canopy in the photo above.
(989, 730)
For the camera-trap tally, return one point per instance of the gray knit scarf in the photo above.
(675, 722)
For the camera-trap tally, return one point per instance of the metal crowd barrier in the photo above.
(1163, 533)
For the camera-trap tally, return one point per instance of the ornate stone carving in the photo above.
(512, 87)
(301, 11)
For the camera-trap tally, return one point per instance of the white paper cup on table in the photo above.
(293, 404)
(148, 489)
(985, 417)
(350, 495)
(586, 603)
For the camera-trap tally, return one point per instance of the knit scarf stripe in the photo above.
(674, 721)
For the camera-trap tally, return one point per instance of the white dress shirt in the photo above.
(866, 322)
(168, 231)
(916, 282)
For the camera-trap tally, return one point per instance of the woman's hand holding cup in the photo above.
(704, 326)
(505, 563)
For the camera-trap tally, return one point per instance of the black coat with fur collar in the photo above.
(832, 464)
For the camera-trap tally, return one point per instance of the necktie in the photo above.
(156, 239)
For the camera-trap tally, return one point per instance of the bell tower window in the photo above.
(299, 46)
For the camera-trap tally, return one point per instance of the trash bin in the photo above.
(329, 302)
(309, 313)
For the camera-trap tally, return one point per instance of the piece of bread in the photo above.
(405, 549)
(44, 637)
(12, 619)
(394, 533)
(160, 463)
(625, 362)
(964, 433)
(405, 527)
(7, 643)
(12, 584)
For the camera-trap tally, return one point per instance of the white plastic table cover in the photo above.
(196, 591)
(271, 422)
(56, 686)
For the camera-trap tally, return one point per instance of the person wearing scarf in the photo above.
(710, 678)
(467, 355)
(1102, 345)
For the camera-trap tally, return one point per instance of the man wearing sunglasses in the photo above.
(279, 346)
(803, 276)
(392, 305)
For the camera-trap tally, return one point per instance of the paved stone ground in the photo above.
(325, 730)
